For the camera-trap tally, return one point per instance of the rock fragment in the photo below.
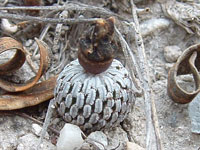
(171, 53)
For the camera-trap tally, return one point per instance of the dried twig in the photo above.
(150, 109)
(47, 20)
(131, 60)
(74, 6)
(58, 29)
(68, 6)
(51, 109)
(186, 15)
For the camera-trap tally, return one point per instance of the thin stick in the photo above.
(47, 20)
(151, 128)
(68, 6)
(74, 6)
(50, 110)
(135, 66)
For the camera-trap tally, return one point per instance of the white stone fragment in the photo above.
(70, 137)
(150, 26)
(8, 27)
(194, 114)
(37, 129)
(100, 137)
(171, 53)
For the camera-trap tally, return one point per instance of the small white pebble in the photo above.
(171, 53)
(70, 137)
(100, 137)
(36, 129)
(8, 27)
(20, 147)
(28, 43)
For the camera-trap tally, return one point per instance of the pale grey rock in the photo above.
(117, 138)
(100, 137)
(70, 137)
(28, 43)
(171, 53)
(37, 129)
(150, 26)
(194, 114)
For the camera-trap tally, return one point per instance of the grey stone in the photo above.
(194, 114)
(171, 53)
(100, 137)
(36, 129)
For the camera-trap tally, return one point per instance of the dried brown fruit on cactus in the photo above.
(95, 49)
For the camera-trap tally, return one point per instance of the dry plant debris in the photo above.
(185, 65)
(187, 15)
(33, 93)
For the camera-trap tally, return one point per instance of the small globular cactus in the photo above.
(95, 90)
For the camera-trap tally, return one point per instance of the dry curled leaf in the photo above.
(7, 43)
(186, 15)
(37, 94)
(17, 61)
(188, 63)
(33, 93)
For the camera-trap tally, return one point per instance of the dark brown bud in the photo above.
(95, 48)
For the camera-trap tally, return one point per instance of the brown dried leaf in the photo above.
(7, 43)
(17, 61)
(187, 63)
(30, 93)
(39, 93)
